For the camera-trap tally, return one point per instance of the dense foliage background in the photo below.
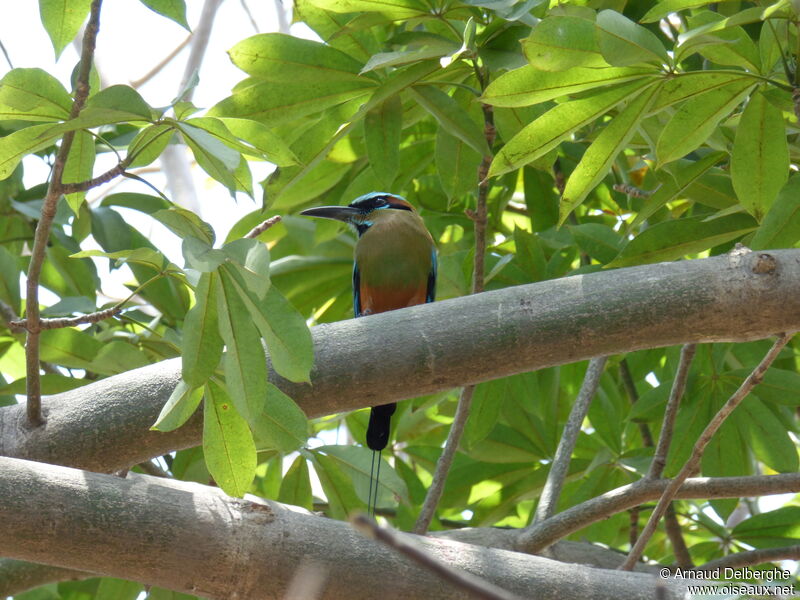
(615, 134)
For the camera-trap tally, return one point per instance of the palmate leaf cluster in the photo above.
(626, 133)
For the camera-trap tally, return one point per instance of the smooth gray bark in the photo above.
(193, 538)
(739, 296)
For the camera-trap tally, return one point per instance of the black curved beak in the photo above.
(339, 213)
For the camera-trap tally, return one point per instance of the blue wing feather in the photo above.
(356, 290)
(431, 294)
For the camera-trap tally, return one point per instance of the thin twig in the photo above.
(83, 186)
(671, 412)
(7, 313)
(575, 518)
(157, 69)
(631, 190)
(697, 452)
(477, 587)
(675, 534)
(252, 20)
(151, 468)
(436, 488)
(94, 317)
(548, 500)
(5, 53)
(479, 218)
(262, 227)
(54, 192)
(754, 557)
(633, 396)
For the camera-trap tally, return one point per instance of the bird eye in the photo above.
(380, 202)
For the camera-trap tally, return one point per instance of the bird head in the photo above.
(364, 211)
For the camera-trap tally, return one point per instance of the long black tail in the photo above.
(380, 423)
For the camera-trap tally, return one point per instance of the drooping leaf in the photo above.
(450, 116)
(697, 118)
(148, 144)
(62, 19)
(79, 166)
(760, 157)
(181, 405)
(769, 439)
(780, 228)
(382, 127)
(665, 7)
(227, 443)
(281, 424)
(780, 527)
(201, 347)
(296, 485)
(174, 10)
(456, 165)
(244, 362)
(395, 9)
(601, 153)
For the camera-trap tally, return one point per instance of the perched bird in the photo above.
(395, 267)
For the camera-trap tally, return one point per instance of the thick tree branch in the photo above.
(105, 426)
(42, 234)
(754, 557)
(548, 500)
(582, 515)
(692, 464)
(202, 542)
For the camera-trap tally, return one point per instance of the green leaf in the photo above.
(118, 103)
(296, 485)
(559, 43)
(769, 440)
(285, 332)
(79, 166)
(117, 589)
(338, 487)
(545, 133)
(142, 256)
(279, 104)
(148, 144)
(743, 17)
(250, 260)
(184, 223)
(245, 363)
(201, 347)
(50, 383)
(526, 85)
(697, 118)
(262, 139)
(16, 145)
(9, 279)
(395, 9)
(732, 46)
(623, 42)
(456, 165)
(677, 184)
(174, 10)
(228, 445)
(771, 529)
(33, 95)
(450, 116)
(598, 241)
(487, 401)
(779, 386)
(382, 127)
(62, 19)
(181, 405)
(683, 86)
(597, 159)
(672, 240)
(142, 202)
(780, 228)
(214, 157)
(68, 347)
(281, 424)
(665, 7)
(355, 462)
(282, 58)
(760, 157)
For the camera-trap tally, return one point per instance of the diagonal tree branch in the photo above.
(548, 500)
(42, 234)
(439, 346)
(697, 452)
(610, 503)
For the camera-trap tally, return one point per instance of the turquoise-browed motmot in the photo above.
(395, 267)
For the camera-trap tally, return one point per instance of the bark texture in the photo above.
(736, 297)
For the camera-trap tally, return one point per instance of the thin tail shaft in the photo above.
(380, 424)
